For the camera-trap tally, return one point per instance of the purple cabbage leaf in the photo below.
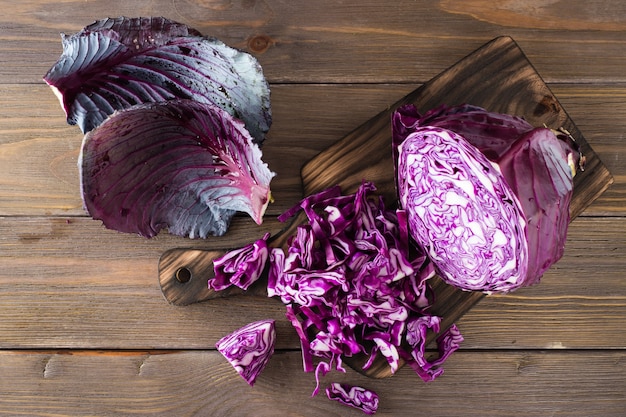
(249, 348)
(353, 396)
(540, 167)
(492, 133)
(537, 164)
(114, 64)
(240, 267)
(447, 343)
(181, 165)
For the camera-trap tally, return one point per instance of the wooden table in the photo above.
(84, 328)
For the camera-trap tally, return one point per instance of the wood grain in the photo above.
(202, 383)
(84, 329)
(327, 41)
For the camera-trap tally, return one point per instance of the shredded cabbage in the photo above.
(240, 267)
(352, 283)
(353, 396)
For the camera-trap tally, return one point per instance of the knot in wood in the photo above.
(259, 43)
(548, 104)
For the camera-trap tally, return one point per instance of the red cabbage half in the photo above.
(181, 165)
(462, 211)
(249, 348)
(114, 64)
(536, 165)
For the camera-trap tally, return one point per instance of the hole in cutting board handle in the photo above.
(183, 275)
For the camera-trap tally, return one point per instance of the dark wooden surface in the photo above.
(498, 77)
(84, 328)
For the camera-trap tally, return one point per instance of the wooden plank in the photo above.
(38, 151)
(68, 283)
(322, 41)
(593, 108)
(202, 383)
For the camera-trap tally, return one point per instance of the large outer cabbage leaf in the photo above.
(537, 169)
(492, 133)
(461, 211)
(116, 63)
(179, 164)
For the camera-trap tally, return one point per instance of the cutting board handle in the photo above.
(184, 273)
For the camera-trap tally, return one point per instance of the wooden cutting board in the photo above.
(498, 77)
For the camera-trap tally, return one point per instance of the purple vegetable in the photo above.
(249, 348)
(537, 164)
(240, 267)
(447, 343)
(350, 281)
(114, 64)
(492, 133)
(357, 397)
(179, 164)
(462, 211)
(540, 167)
